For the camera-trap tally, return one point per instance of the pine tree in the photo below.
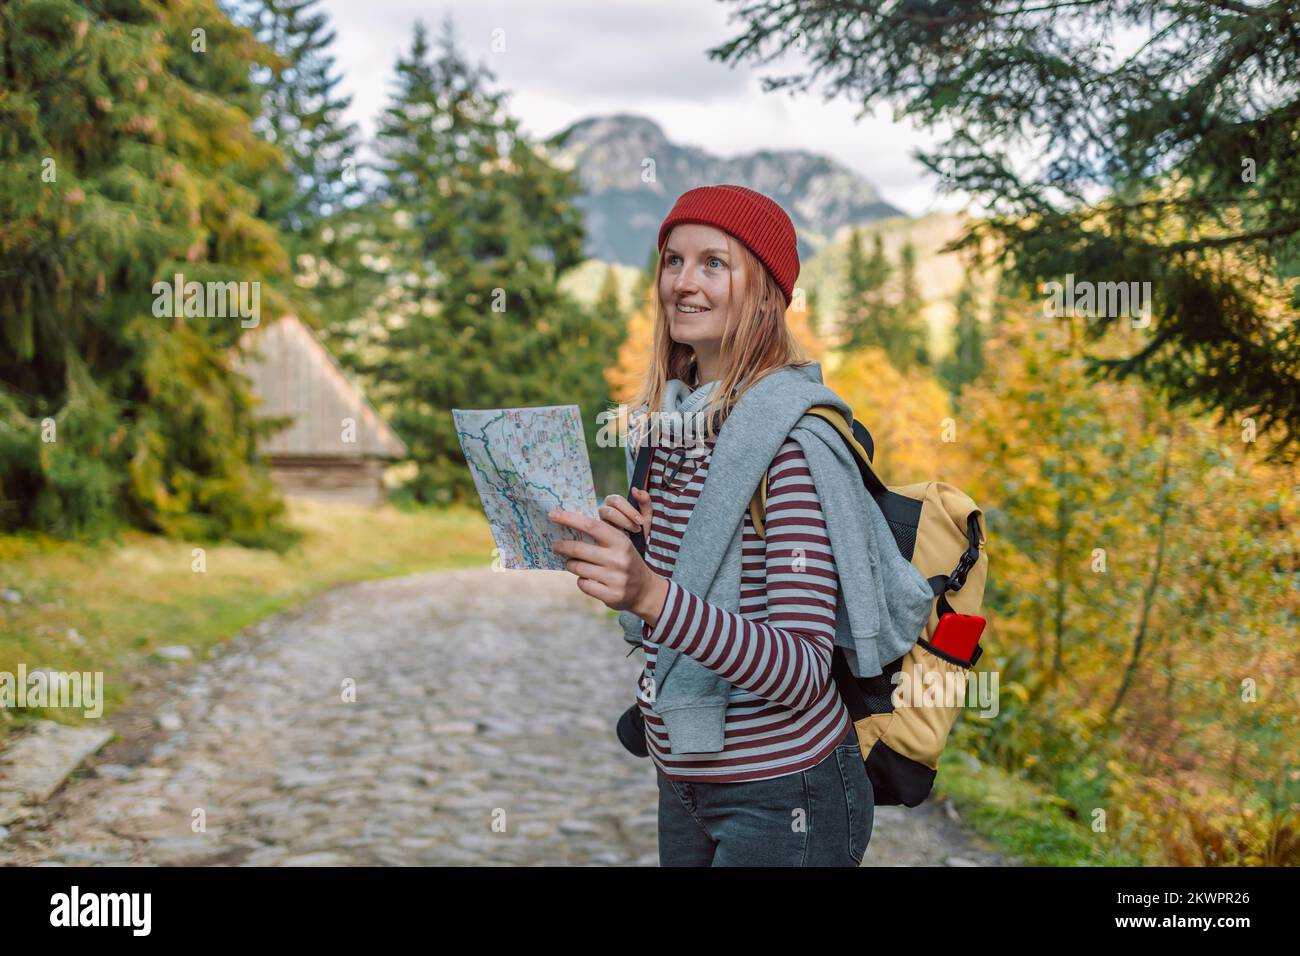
(127, 157)
(883, 308)
(1169, 163)
(609, 301)
(302, 113)
(646, 278)
(966, 360)
(473, 227)
(606, 333)
(909, 333)
(868, 314)
(314, 197)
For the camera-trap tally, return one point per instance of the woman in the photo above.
(788, 786)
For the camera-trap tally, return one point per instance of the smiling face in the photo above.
(695, 289)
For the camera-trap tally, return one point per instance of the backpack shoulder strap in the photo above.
(640, 479)
(854, 434)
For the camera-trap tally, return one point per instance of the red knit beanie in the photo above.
(757, 221)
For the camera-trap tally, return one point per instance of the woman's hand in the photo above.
(619, 512)
(610, 569)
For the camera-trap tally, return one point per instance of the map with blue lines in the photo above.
(526, 461)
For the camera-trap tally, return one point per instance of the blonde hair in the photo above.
(756, 341)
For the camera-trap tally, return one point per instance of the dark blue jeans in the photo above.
(816, 817)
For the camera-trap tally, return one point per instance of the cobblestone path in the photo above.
(482, 733)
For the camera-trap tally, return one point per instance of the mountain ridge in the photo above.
(623, 206)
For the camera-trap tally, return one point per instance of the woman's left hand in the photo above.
(610, 569)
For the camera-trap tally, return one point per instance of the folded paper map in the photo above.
(526, 461)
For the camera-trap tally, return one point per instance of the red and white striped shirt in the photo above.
(784, 713)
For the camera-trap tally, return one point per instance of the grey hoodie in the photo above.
(883, 601)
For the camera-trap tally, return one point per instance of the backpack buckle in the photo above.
(964, 564)
(969, 556)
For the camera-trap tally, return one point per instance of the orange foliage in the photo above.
(905, 413)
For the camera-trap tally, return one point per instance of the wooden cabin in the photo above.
(337, 446)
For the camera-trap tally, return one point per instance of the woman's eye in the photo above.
(672, 260)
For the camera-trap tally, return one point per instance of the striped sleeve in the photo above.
(787, 658)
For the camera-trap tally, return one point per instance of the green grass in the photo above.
(1021, 818)
(126, 599)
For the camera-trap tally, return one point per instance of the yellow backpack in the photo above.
(937, 528)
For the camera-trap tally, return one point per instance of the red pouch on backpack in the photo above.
(958, 635)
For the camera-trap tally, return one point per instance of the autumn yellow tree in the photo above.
(907, 413)
(1143, 570)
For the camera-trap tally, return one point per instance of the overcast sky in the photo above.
(565, 60)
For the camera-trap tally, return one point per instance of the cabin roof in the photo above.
(293, 373)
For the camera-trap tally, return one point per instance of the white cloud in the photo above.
(566, 60)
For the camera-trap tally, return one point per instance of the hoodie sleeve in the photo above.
(786, 658)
